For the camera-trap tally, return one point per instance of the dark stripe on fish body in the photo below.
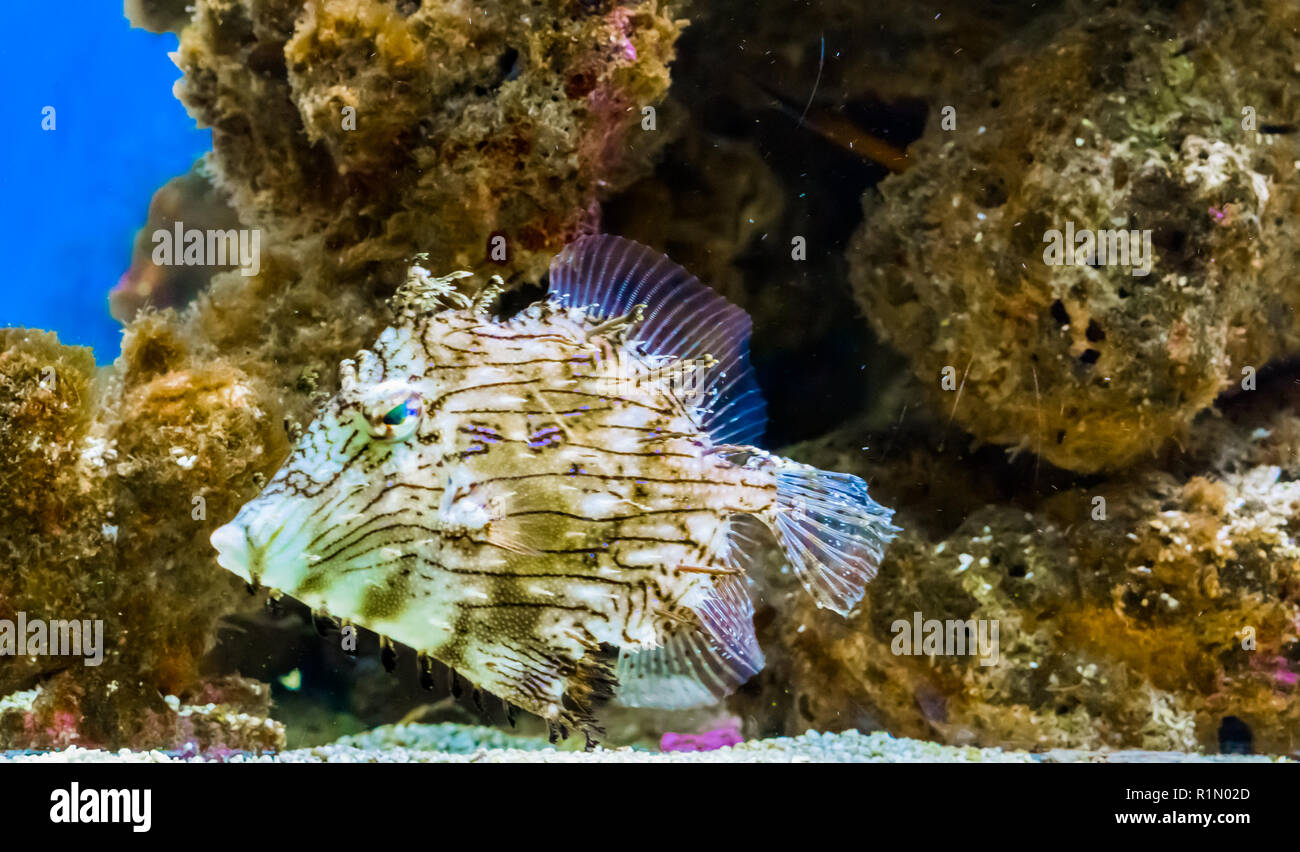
(533, 605)
(624, 477)
(632, 517)
(339, 546)
(519, 575)
(436, 404)
(666, 412)
(559, 338)
(386, 543)
(460, 351)
(398, 486)
(526, 412)
(530, 362)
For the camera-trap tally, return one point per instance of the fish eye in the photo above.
(393, 414)
(398, 415)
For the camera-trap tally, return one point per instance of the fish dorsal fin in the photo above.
(683, 318)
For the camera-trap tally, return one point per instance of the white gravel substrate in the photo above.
(449, 743)
(458, 744)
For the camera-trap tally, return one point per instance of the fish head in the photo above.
(343, 496)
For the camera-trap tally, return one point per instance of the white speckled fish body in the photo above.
(549, 503)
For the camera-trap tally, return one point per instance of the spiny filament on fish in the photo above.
(542, 505)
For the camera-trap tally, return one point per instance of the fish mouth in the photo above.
(236, 551)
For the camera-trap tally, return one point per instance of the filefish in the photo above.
(564, 506)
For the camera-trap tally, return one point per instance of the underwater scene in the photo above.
(666, 381)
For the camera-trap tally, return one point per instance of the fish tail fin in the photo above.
(831, 530)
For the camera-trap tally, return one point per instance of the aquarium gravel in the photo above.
(452, 743)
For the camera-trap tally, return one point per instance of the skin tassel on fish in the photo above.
(561, 506)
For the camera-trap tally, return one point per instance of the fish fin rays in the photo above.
(683, 318)
(523, 535)
(832, 532)
(564, 687)
(698, 665)
(690, 669)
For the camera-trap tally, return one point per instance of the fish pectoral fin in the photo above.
(514, 537)
(698, 663)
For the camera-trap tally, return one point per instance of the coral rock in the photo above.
(418, 127)
(1135, 612)
(1111, 122)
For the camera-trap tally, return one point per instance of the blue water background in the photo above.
(74, 197)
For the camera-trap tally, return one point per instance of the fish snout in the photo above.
(235, 550)
(265, 545)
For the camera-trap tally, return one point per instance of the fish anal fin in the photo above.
(701, 660)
